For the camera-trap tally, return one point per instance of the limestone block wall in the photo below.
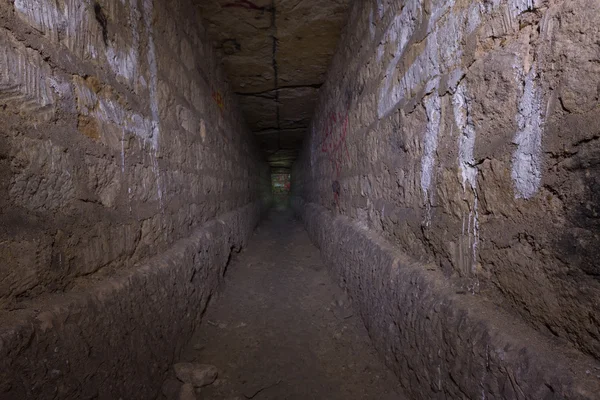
(119, 139)
(465, 134)
(113, 142)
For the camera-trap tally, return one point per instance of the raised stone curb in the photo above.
(439, 343)
(119, 338)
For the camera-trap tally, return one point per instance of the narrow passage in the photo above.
(282, 329)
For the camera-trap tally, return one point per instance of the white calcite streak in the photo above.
(371, 25)
(125, 62)
(466, 164)
(153, 89)
(526, 162)
(399, 33)
(76, 19)
(24, 76)
(380, 8)
(520, 6)
(430, 142)
(442, 53)
(466, 138)
(153, 68)
(43, 15)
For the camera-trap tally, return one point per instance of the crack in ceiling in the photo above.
(276, 54)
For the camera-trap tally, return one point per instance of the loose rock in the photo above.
(196, 374)
(171, 388)
(187, 392)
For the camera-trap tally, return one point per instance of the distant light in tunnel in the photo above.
(281, 183)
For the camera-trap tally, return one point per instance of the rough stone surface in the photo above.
(197, 374)
(276, 54)
(171, 388)
(443, 344)
(131, 325)
(187, 392)
(465, 134)
(124, 188)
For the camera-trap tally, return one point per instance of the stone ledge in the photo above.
(117, 339)
(439, 343)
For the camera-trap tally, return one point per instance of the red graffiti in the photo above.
(334, 145)
(219, 100)
(247, 4)
(334, 141)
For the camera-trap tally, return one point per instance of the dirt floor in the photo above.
(282, 329)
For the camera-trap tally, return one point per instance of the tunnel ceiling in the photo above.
(276, 54)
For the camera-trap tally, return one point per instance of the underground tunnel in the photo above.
(299, 199)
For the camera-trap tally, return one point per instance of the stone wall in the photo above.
(465, 134)
(441, 343)
(119, 142)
